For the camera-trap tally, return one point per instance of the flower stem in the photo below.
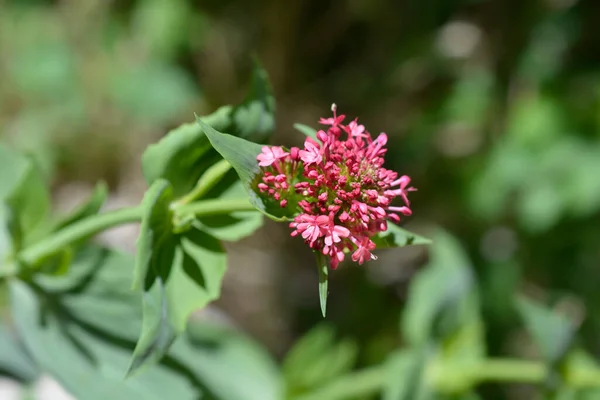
(207, 181)
(97, 223)
(80, 230)
(213, 207)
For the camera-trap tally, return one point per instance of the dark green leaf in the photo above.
(552, 332)
(14, 360)
(241, 154)
(192, 268)
(90, 207)
(395, 236)
(155, 232)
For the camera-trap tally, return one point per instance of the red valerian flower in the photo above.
(345, 192)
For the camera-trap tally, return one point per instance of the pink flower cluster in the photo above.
(344, 193)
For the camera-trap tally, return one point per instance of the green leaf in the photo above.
(87, 363)
(92, 320)
(406, 379)
(185, 153)
(90, 207)
(30, 204)
(241, 154)
(155, 231)
(307, 130)
(14, 360)
(442, 296)
(229, 364)
(234, 226)
(552, 332)
(316, 359)
(192, 269)
(395, 236)
(13, 169)
(323, 269)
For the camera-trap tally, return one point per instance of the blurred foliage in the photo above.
(492, 108)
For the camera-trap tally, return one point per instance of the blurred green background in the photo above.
(492, 107)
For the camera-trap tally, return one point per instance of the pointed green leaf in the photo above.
(323, 268)
(395, 236)
(306, 130)
(241, 154)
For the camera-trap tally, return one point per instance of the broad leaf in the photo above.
(395, 236)
(14, 360)
(95, 319)
(88, 364)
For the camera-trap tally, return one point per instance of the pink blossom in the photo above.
(312, 152)
(270, 155)
(337, 185)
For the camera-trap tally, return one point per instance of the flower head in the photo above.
(343, 194)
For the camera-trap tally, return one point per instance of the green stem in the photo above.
(213, 207)
(207, 181)
(80, 230)
(507, 370)
(373, 380)
(361, 383)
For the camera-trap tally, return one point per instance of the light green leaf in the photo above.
(14, 360)
(395, 236)
(442, 296)
(87, 363)
(552, 332)
(316, 359)
(306, 130)
(406, 378)
(13, 169)
(229, 364)
(95, 306)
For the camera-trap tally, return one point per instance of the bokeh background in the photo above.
(492, 107)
